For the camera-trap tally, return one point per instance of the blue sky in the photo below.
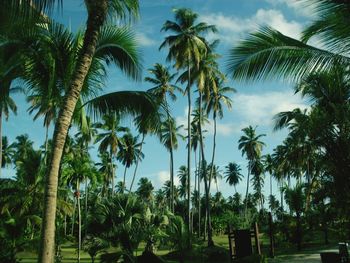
(254, 103)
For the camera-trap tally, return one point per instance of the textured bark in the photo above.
(97, 12)
(189, 154)
(113, 171)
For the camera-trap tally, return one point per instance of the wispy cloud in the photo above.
(232, 28)
(299, 7)
(144, 40)
(259, 109)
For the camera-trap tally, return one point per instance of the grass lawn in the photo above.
(283, 254)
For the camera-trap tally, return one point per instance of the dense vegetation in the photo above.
(61, 194)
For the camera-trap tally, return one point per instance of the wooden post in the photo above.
(272, 241)
(256, 236)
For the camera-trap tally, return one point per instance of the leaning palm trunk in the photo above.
(137, 163)
(171, 159)
(204, 171)
(189, 152)
(97, 13)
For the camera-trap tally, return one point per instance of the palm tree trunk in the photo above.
(137, 163)
(246, 193)
(171, 158)
(86, 205)
(189, 152)
(112, 171)
(124, 179)
(46, 143)
(0, 141)
(73, 217)
(97, 13)
(213, 154)
(206, 187)
(79, 219)
(199, 197)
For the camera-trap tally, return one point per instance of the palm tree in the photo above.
(7, 104)
(251, 147)
(295, 199)
(269, 167)
(182, 174)
(186, 48)
(109, 139)
(97, 16)
(23, 145)
(145, 189)
(129, 152)
(216, 174)
(257, 170)
(214, 103)
(77, 170)
(7, 152)
(233, 174)
(164, 88)
(106, 168)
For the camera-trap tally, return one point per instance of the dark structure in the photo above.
(240, 242)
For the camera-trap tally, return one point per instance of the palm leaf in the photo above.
(268, 54)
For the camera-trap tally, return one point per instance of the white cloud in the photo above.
(259, 109)
(299, 7)
(232, 28)
(144, 40)
(163, 176)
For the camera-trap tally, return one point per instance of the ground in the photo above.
(311, 255)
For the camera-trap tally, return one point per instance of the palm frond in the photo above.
(268, 54)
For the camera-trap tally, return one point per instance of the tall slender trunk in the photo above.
(199, 196)
(97, 13)
(79, 219)
(213, 154)
(73, 216)
(246, 192)
(0, 141)
(281, 191)
(137, 163)
(86, 205)
(189, 152)
(124, 178)
(171, 158)
(270, 184)
(204, 171)
(112, 171)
